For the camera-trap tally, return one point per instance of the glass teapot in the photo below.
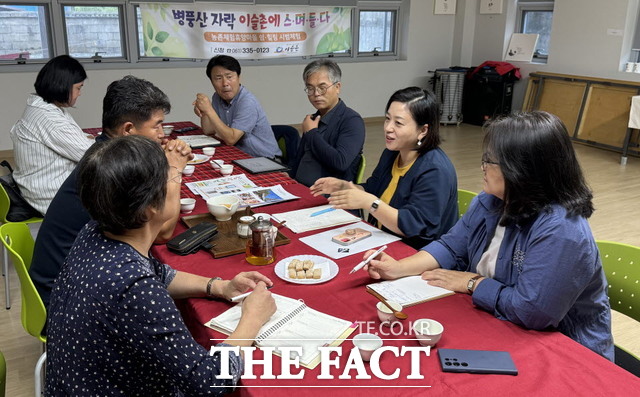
(260, 247)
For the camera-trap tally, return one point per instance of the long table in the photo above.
(549, 363)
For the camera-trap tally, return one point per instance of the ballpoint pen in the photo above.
(366, 261)
(324, 211)
(242, 296)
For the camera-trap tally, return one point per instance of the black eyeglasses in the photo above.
(309, 90)
(485, 160)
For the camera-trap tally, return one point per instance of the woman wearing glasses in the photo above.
(113, 300)
(413, 189)
(524, 249)
(47, 142)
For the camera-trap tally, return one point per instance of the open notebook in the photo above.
(409, 291)
(293, 324)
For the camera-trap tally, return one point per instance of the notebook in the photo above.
(200, 141)
(300, 221)
(409, 291)
(259, 165)
(293, 324)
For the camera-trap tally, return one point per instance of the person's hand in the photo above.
(383, 267)
(449, 279)
(243, 282)
(351, 198)
(202, 105)
(308, 123)
(327, 185)
(259, 305)
(178, 153)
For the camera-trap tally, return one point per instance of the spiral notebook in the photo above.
(293, 324)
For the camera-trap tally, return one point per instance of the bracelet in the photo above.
(210, 283)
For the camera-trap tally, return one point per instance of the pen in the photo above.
(366, 261)
(242, 296)
(324, 211)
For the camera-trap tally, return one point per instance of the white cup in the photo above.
(427, 331)
(385, 314)
(226, 169)
(187, 205)
(216, 164)
(167, 129)
(188, 170)
(367, 344)
(209, 150)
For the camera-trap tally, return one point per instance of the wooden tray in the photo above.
(227, 242)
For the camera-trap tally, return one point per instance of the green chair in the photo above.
(464, 199)
(3, 375)
(361, 167)
(17, 240)
(621, 264)
(5, 203)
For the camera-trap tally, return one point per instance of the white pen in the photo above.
(242, 296)
(366, 261)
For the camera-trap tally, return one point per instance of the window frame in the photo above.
(131, 58)
(532, 6)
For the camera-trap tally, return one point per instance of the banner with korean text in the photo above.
(204, 30)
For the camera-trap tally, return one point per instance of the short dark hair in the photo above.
(131, 99)
(332, 68)
(226, 62)
(119, 179)
(424, 109)
(57, 77)
(539, 166)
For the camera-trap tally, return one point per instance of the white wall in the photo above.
(366, 85)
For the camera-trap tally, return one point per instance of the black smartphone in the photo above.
(477, 361)
(185, 129)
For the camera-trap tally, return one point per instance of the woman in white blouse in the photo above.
(47, 142)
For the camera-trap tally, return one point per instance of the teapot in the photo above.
(260, 247)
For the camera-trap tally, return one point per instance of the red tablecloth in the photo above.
(549, 363)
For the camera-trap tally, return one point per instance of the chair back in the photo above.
(464, 199)
(288, 140)
(3, 375)
(621, 264)
(18, 242)
(5, 203)
(361, 167)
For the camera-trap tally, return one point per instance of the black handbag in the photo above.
(195, 238)
(19, 209)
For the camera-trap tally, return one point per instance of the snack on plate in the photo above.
(300, 270)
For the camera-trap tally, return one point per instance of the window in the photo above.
(377, 32)
(25, 32)
(536, 17)
(93, 31)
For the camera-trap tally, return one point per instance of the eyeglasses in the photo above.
(309, 90)
(176, 178)
(485, 160)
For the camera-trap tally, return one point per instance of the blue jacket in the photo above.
(548, 274)
(426, 197)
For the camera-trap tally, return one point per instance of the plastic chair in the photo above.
(3, 375)
(360, 173)
(288, 140)
(621, 264)
(5, 203)
(464, 199)
(17, 240)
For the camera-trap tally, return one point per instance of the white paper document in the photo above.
(301, 221)
(249, 193)
(198, 141)
(409, 291)
(323, 243)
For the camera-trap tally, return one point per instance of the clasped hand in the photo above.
(202, 105)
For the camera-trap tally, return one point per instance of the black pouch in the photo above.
(193, 239)
(19, 209)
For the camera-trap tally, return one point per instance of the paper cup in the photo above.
(367, 344)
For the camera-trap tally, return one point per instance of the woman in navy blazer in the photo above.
(413, 190)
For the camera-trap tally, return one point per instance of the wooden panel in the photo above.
(606, 114)
(227, 242)
(562, 98)
(533, 86)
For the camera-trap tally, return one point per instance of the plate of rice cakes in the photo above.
(306, 269)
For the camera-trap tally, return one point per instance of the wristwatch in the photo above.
(374, 206)
(472, 283)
